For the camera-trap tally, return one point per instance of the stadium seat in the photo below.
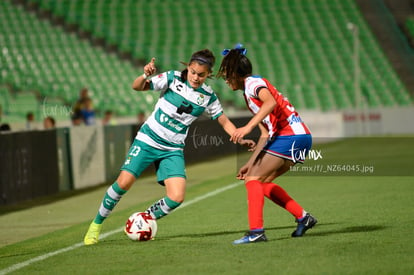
(304, 48)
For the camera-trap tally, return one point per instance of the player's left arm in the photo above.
(229, 128)
(227, 125)
(269, 103)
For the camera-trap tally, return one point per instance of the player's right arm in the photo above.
(141, 83)
(269, 103)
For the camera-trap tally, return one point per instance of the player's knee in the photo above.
(125, 180)
(177, 197)
(175, 189)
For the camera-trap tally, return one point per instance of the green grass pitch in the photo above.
(365, 227)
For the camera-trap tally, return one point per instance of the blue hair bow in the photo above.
(239, 47)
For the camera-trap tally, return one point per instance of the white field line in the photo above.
(107, 234)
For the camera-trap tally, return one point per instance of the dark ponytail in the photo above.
(203, 57)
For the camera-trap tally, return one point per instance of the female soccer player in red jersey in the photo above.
(285, 140)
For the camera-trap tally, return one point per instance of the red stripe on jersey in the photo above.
(283, 120)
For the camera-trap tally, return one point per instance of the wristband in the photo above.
(145, 76)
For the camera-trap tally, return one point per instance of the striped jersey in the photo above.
(283, 120)
(178, 106)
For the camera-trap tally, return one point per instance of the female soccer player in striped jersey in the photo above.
(285, 140)
(160, 140)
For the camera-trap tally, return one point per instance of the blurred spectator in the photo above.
(141, 118)
(49, 123)
(77, 118)
(108, 118)
(5, 127)
(30, 121)
(80, 103)
(88, 113)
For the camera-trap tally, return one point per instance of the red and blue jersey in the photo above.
(283, 120)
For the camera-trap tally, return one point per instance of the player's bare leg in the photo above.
(175, 188)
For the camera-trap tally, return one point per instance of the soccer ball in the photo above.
(140, 226)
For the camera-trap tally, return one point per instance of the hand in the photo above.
(150, 68)
(241, 175)
(249, 143)
(239, 134)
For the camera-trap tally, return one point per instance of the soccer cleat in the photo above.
(92, 235)
(252, 237)
(304, 224)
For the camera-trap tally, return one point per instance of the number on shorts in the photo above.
(135, 151)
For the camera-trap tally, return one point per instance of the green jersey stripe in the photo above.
(178, 106)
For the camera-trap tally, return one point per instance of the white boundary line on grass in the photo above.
(107, 234)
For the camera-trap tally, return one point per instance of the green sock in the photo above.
(111, 198)
(162, 207)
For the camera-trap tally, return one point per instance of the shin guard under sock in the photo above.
(255, 203)
(112, 196)
(279, 196)
(162, 207)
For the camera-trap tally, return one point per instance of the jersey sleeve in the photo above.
(160, 82)
(254, 86)
(214, 108)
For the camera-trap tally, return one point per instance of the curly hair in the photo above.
(234, 66)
